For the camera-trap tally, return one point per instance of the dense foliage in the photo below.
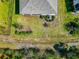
(11, 54)
(69, 52)
(27, 53)
(73, 26)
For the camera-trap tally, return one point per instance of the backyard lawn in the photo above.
(53, 33)
(34, 26)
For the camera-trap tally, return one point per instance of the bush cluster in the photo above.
(26, 53)
(69, 52)
(73, 26)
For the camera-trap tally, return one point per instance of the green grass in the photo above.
(4, 16)
(36, 24)
(7, 45)
(6, 11)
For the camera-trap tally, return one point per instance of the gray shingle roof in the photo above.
(46, 7)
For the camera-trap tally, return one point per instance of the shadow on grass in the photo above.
(69, 5)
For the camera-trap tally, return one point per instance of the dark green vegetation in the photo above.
(27, 53)
(16, 6)
(69, 5)
(12, 54)
(48, 18)
(73, 26)
(68, 52)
